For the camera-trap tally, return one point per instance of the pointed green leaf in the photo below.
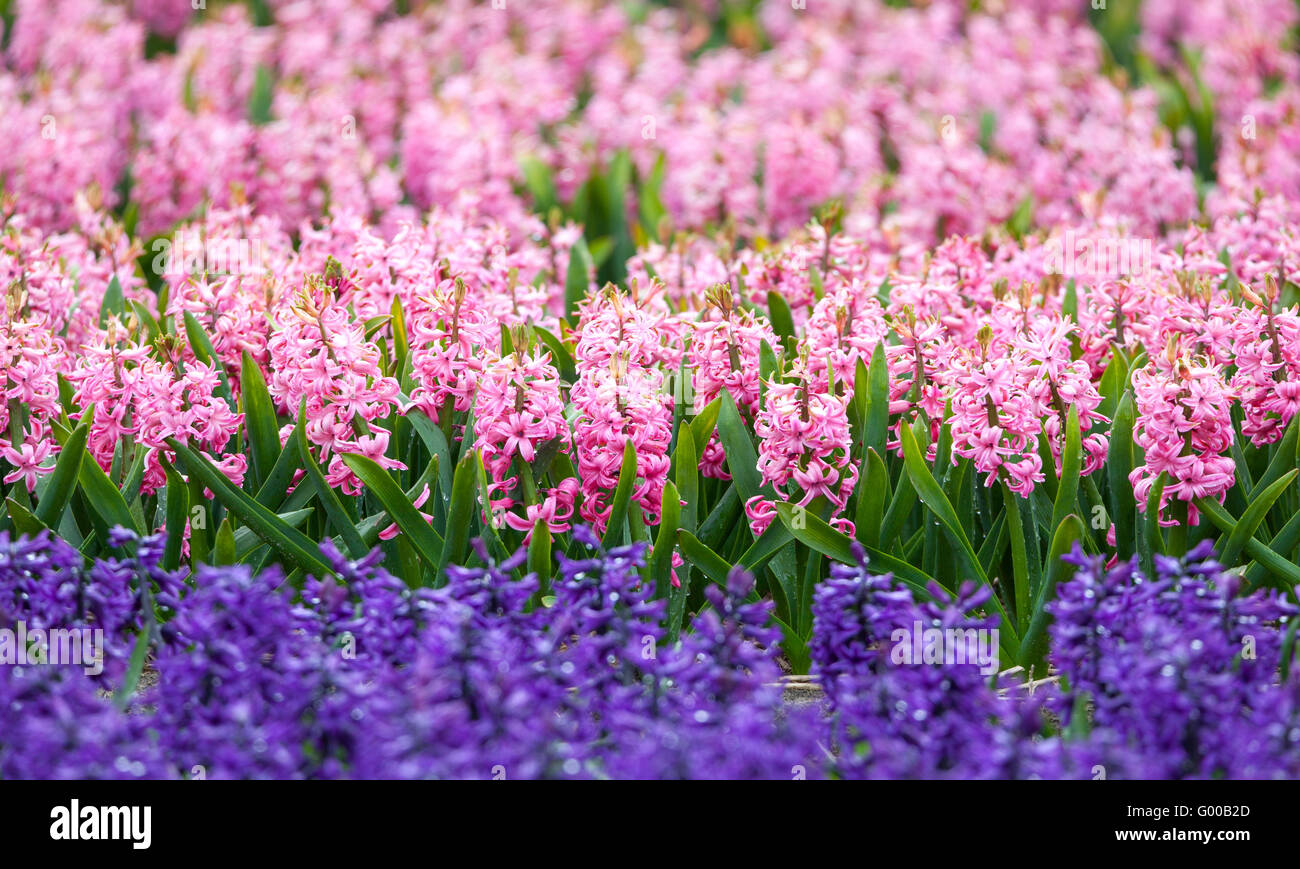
(426, 542)
(687, 473)
(224, 550)
(1276, 564)
(877, 409)
(460, 515)
(295, 545)
(873, 486)
(177, 516)
(1033, 649)
(742, 458)
(778, 311)
(329, 499)
(103, 496)
(931, 494)
(1254, 515)
(1119, 464)
(710, 563)
(539, 555)
(561, 358)
(615, 530)
(1067, 492)
(259, 419)
(661, 557)
(63, 480)
(577, 282)
(703, 425)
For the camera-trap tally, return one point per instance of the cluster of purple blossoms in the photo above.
(894, 715)
(359, 676)
(1181, 674)
(1174, 676)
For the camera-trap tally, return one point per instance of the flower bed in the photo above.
(415, 389)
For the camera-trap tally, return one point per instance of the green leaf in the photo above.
(199, 542)
(259, 419)
(721, 519)
(1067, 492)
(152, 330)
(1033, 648)
(661, 557)
(995, 542)
(1113, 382)
(677, 605)
(877, 409)
(816, 534)
(135, 474)
(260, 98)
(710, 563)
(370, 527)
(426, 542)
(539, 555)
(742, 458)
(900, 505)
(203, 352)
(223, 552)
(485, 504)
(768, 368)
(703, 425)
(765, 548)
(113, 305)
(246, 542)
(773, 545)
(1275, 563)
(1284, 459)
(577, 282)
(873, 485)
(293, 544)
(561, 358)
(460, 515)
(63, 480)
(338, 517)
(1251, 519)
(24, 522)
(537, 178)
(615, 530)
(1019, 553)
(177, 517)
(1152, 542)
(795, 648)
(401, 345)
(1283, 543)
(103, 496)
(931, 494)
(271, 494)
(135, 667)
(688, 479)
(1119, 463)
(778, 311)
(436, 442)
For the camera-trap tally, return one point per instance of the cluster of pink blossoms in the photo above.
(138, 398)
(1184, 425)
(30, 359)
(804, 438)
(943, 148)
(724, 354)
(624, 341)
(519, 420)
(321, 360)
(1267, 358)
(450, 332)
